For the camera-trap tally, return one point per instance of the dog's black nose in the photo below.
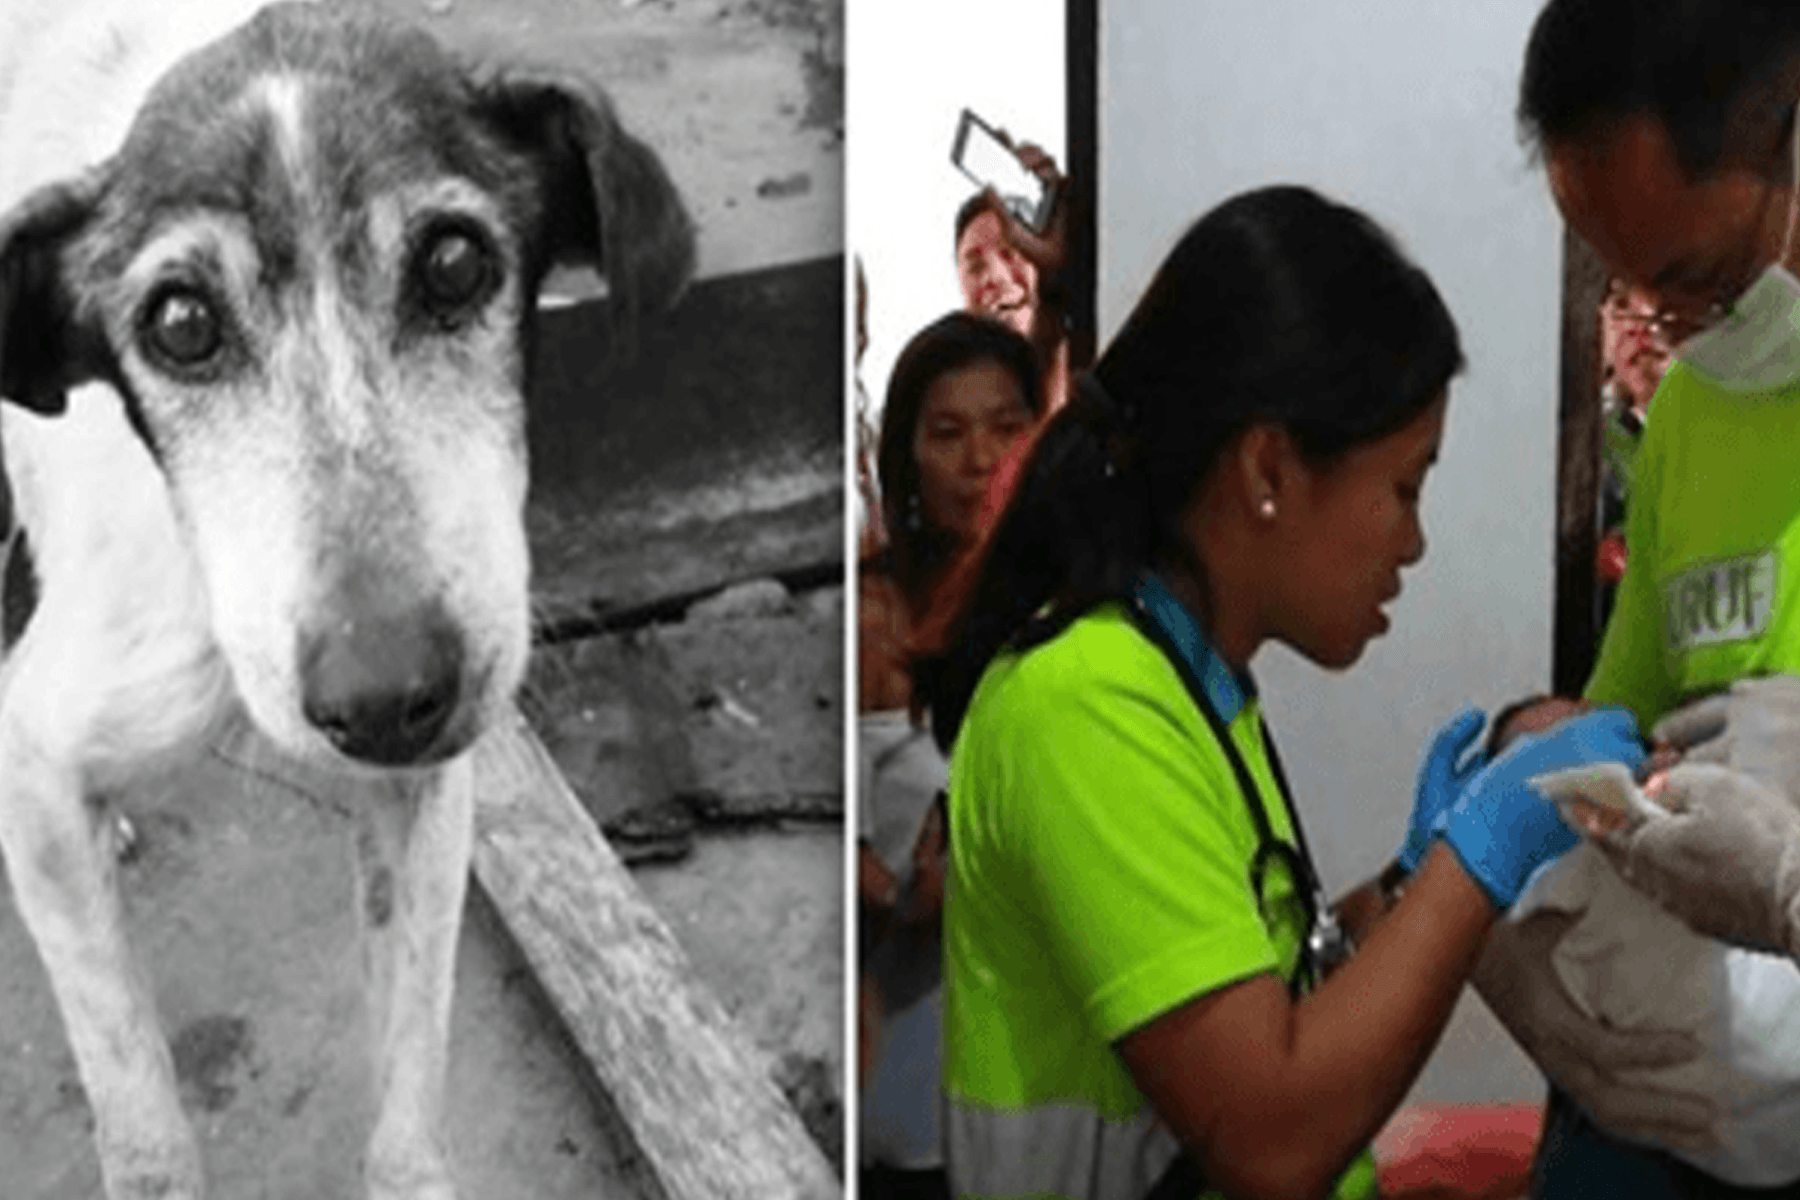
(382, 687)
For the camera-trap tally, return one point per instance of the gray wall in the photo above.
(1403, 108)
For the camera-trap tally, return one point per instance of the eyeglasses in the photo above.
(1617, 305)
(1665, 326)
(1671, 326)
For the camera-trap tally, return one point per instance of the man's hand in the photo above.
(1753, 728)
(1047, 249)
(1585, 1058)
(1725, 858)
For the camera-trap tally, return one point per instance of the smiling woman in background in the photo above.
(1013, 273)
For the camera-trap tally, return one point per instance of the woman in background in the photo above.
(962, 393)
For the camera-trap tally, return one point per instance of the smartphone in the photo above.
(985, 157)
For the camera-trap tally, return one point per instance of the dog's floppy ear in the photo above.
(608, 199)
(38, 338)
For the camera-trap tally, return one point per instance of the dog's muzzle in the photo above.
(383, 679)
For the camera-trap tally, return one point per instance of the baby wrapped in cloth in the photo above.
(1630, 965)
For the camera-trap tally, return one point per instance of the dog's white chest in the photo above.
(134, 671)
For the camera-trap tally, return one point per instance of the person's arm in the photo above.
(924, 904)
(1277, 1097)
(882, 679)
(1362, 908)
(1049, 251)
(877, 888)
(1451, 760)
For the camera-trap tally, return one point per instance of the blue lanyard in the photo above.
(1325, 943)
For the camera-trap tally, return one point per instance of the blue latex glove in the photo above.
(1444, 772)
(1499, 827)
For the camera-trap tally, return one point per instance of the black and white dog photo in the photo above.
(267, 289)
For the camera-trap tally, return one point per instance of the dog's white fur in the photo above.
(189, 549)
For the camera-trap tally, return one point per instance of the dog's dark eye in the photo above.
(455, 272)
(182, 328)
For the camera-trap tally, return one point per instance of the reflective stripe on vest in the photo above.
(1061, 1150)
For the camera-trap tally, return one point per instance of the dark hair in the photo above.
(919, 549)
(1278, 306)
(984, 201)
(1710, 71)
(1499, 736)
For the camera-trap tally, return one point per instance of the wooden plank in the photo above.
(696, 1093)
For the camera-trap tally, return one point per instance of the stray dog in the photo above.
(266, 291)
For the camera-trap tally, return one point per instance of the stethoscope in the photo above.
(1326, 943)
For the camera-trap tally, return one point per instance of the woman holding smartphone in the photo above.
(1139, 986)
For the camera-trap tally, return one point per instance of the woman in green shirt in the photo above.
(1135, 944)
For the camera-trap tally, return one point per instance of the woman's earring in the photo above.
(1266, 510)
(915, 514)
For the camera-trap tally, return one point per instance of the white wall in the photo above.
(1403, 108)
(912, 68)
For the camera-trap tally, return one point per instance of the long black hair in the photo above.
(917, 548)
(1280, 307)
(985, 201)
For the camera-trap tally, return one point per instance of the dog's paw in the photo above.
(151, 1159)
(414, 1176)
(440, 1190)
(155, 1187)
(162, 1174)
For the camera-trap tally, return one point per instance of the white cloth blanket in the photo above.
(1631, 965)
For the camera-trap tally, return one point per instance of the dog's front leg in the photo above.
(413, 865)
(62, 868)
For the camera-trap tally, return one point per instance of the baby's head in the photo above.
(1534, 714)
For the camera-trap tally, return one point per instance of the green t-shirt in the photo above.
(1100, 877)
(1712, 536)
